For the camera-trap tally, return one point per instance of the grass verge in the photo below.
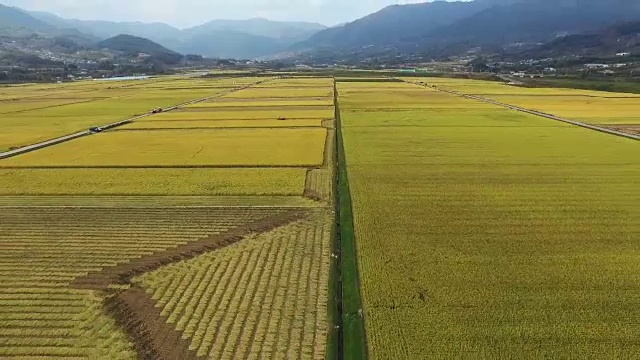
(353, 333)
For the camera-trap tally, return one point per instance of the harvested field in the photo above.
(319, 182)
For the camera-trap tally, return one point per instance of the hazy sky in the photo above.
(185, 13)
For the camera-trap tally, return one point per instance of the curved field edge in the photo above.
(354, 344)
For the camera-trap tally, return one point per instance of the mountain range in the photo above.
(442, 28)
(437, 29)
(243, 39)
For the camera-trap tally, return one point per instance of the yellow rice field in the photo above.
(229, 147)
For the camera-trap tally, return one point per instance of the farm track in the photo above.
(58, 140)
(607, 130)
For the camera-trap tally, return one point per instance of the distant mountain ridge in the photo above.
(133, 46)
(437, 29)
(218, 38)
(452, 27)
(621, 39)
(13, 18)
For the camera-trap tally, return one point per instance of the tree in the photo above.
(479, 64)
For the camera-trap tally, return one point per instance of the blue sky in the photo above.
(185, 13)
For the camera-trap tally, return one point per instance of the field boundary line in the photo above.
(61, 139)
(334, 348)
(230, 166)
(226, 128)
(529, 111)
(352, 331)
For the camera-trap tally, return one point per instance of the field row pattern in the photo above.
(264, 297)
(45, 249)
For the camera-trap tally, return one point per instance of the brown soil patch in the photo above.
(315, 175)
(154, 339)
(633, 129)
(309, 189)
(134, 310)
(329, 123)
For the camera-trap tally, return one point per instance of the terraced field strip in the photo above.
(483, 232)
(25, 149)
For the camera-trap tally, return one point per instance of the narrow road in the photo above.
(61, 139)
(532, 112)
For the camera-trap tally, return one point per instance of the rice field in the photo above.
(31, 114)
(153, 181)
(483, 232)
(229, 147)
(263, 297)
(224, 124)
(593, 107)
(284, 93)
(89, 226)
(46, 249)
(248, 113)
